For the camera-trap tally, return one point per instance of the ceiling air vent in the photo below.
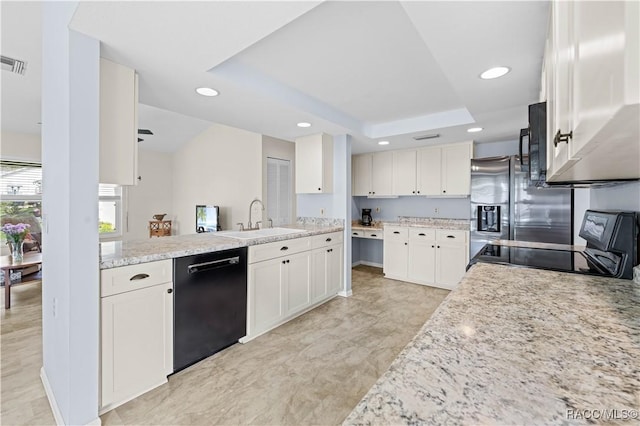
(425, 137)
(13, 65)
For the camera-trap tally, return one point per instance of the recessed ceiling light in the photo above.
(474, 129)
(494, 73)
(304, 124)
(207, 91)
(383, 143)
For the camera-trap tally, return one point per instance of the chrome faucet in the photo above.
(251, 211)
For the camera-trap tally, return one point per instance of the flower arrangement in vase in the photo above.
(15, 236)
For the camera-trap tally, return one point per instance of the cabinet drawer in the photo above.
(443, 235)
(133, 277)
(261, 252)
(376, 235)
(326, 240)
(419, 234)
(396, 233)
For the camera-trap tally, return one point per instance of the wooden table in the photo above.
(7, 265)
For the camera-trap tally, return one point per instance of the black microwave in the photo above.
(536, 135)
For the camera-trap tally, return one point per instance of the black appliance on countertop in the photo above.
(210, 304)
(613, 238)
(367, 220)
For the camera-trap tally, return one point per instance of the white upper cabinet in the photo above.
(433, 171)
(372, 174)
(593, 91)
(314, 164)
(118, 124)
(456, 169)
(404, 172)
(361, 174)
(429, 176)
(382, 173)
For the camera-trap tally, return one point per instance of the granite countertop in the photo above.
(428, 222)
(121, 253)
(517, 346)
(377, 226)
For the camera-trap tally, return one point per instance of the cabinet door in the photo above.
(405, 171)
(265, 295)
(314, 164)
(395, 256)
(563, 58)
(319, 267)
(382, 173)
(334, 269)
(422, 261)
(450, 264)
(298, 281)
(118, 124)
(456, 169)
(361, 175)
(598, 68)
(429, 172)
(136, 342)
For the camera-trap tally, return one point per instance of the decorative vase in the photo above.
(17, 251)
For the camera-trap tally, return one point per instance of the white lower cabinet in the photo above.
(136, 332)
(421, 263)
(425, 256)
(285, 286)
(395, 252)
(450, 263)
(296, 271)
(327, 272)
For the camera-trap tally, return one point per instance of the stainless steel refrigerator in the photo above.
(505, 207)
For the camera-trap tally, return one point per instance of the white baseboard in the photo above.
(366, 263)
(57, 415)
(345, 293)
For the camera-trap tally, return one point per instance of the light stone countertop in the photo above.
(416, 222)
(427, 222)
(121, 253)
(517, 346)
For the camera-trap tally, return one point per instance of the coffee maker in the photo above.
(367, 220)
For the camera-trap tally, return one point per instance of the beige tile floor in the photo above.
(312, 370)
(22, 397)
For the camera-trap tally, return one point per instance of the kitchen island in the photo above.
(517, 346)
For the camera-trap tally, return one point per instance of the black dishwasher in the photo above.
(210, 304)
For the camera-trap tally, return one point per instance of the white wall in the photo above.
(20, 147)
(70, 296)
(284, 150)
(152, 195)
(221, 166)
(624, 196)
(496, 149)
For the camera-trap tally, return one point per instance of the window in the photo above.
(110, 211)
(21, 195)
(279, 191)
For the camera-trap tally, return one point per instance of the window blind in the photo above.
(20, 179)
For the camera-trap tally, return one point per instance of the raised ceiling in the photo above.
(374, 70)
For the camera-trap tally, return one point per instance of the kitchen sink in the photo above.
(259, 233)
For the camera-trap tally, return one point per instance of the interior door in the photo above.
(279, 191)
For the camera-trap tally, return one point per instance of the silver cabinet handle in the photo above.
(562, 137)
(137, 277)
